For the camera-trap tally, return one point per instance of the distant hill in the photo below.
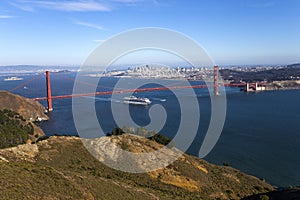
(269, 75)
(294, 65)
(61, 168)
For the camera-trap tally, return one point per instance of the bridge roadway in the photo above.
(133, 90)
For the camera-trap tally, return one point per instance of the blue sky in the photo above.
(234, 32)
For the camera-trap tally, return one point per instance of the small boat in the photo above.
(13, 78)
(136, 100)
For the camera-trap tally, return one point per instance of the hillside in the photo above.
(29, 109)
(17, 117)
(61, 168)
(290, 73)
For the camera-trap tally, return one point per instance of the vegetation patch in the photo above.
(14, 129)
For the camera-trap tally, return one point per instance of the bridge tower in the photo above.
(216, 80)
(49, 96)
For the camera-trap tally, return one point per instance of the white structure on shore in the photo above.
(253, 87)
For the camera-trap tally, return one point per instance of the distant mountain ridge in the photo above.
(294, 65)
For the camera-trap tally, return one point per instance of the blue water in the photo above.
(261, 135)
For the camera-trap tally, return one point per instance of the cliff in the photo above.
(62, 168)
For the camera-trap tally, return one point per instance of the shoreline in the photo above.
(270, 86)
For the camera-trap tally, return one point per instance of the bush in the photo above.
(161, 139)
(263, 197)
(116, 131)
(13, 129)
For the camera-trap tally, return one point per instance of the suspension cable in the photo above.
(27, 82)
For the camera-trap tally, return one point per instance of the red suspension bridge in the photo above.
(50, 97)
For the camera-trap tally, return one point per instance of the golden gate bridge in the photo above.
(51, 97)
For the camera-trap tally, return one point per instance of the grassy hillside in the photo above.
(61, 168)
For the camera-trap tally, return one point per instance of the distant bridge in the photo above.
(50, 97)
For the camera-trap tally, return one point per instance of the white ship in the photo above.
(13, 78)
(136, 101)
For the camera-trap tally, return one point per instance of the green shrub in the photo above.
(263, 197)
(161, 139)
(116, 131)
